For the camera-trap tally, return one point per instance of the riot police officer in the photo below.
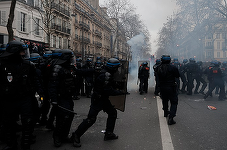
(88, 77)
(61, 89)
(182, 75)
(167, 74)
(79, 81)
(157, 90)
(224, 70)
(18, 80)
(178, 65)
(104, 86)
(215, 76)
(191, 70)
(143, 75)
(199, 78)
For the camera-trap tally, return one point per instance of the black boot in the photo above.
(57, 141)
(171, 121)
(205, 96)
(76, 140)
(110, 136)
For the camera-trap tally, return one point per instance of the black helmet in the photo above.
(199, 63)
(185, 61)
(47, 54)
(62, 55)
(89, 60)
(34, 57)
(113, 64)
(14, 47)
(145, 63)
(192, 60)
(165, 59)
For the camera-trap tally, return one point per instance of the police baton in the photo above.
(67, 109)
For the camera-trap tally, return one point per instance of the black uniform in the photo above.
(215, 76)
(167, 74)
(143, 75)
(157, 90)
(18, 81)
(191, 70)
(104, 87)
(61, 89)
(89, 78)
(199, 79)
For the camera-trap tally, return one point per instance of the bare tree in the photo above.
(10, 20)
(47, 9)
(127, 22)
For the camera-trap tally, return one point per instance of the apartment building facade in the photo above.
(27, 24)
(80, 25)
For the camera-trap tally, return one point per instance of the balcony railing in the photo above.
(84, 25)
(98, 44)
(98, 33)
(84, 39)
(60, 28)
(60, 9)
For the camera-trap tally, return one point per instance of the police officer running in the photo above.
(104, 87)
(215, 76)
(168, 88)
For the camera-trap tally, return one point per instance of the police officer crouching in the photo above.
(168, 89)
(17, 82)
(61, 90)
(103, 88)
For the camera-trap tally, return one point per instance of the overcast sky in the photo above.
(153, 13)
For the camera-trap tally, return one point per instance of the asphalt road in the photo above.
(140, 127)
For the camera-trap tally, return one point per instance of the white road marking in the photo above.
(165, 134)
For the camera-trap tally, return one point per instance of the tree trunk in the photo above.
(10, 20)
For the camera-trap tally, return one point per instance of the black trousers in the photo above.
(169, 93)
(64, 118)
(214, 83)
(143, 84)
(95, 108)
(12, 106)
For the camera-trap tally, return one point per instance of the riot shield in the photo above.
(121, 77)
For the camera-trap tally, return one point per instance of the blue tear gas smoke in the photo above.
(136, 43)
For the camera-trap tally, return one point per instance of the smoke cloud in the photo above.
(136, 43)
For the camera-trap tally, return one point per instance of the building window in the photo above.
(23, 22)
(218, 45)
(65, 43)
(209, 54)
(218, 36)
(223, 35)
(218, 54)
(3, 18)
(223, 46)
(37, 25)
(60, 42)
(54, 41)
(224, 54)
